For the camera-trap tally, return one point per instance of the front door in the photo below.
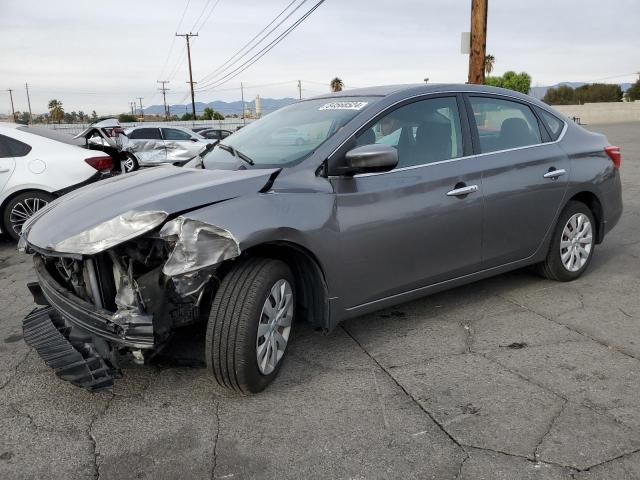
(420, 223)
(524, 180)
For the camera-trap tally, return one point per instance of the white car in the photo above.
(35, 169)
(290, 136)
(153, 145)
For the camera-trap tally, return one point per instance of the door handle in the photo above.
(555, 173)
(5, 170)
(456, 192)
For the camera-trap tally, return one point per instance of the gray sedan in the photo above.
(397, 192)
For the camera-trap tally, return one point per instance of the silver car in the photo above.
(148, 146)
(402, 191)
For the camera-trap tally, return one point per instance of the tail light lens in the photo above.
(100, 163)
(615, 155)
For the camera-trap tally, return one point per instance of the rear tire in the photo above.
(21, 208)
(572, 245)
(239, 327)
(130, 164)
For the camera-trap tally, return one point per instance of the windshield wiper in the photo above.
(235, 153)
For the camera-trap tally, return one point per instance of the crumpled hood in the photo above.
(165, 188)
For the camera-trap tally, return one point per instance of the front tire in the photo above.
(250, 325)
(572, 244)
(130, 164)
(21, 208)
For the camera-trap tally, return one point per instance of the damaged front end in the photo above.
(103, 300)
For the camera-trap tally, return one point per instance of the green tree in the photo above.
(598, 92)
(55, 110)
(336, 84)
(207, 114)
(633, 93)
(562, 95)
(489, 62)
(186, 117)
(520, 82)
(94, 116)
(218, 116)
(126, 118)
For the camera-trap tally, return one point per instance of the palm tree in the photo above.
(336, 85)
(56, 110)
(489, 60)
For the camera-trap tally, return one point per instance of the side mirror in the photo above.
(194, 139)
(370, 158)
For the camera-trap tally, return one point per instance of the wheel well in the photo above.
(312, 294)
(591, 201)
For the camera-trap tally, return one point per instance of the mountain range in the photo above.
(271, 104)
(225, 108)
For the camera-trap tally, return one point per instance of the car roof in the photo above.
(424, 88)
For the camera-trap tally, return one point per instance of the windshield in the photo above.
(288, 135)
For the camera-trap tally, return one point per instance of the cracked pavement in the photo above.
(511, 377)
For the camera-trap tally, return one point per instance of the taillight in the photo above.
(614, 155)
(100, 163)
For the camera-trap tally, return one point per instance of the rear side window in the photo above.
(553, 123)
(503, 124)
(145, 134)
(175, 134)
(10, 147)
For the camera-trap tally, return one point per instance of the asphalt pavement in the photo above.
(515, 377)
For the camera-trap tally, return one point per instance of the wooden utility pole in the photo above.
(12, 109)
(244, 121)
(164, 91)
(300, 89)
(29, 103)
(478, 49)
(141, 110)
(193, 98)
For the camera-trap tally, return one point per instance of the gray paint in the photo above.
(380, 238)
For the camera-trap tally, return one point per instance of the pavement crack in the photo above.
(466, 457)
(575, 330)
(625, 313)
(536, 456)
(92, 438)
(15, 369)
(626, 454)
(522, 457)
(406, 392)
(215, 442)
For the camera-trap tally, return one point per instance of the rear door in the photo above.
(7, 158)
(524, 179)
(412, 226)
(180, 145)
(147, 145)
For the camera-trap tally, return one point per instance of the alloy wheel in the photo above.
(274, 326)
(23, 210)
(576, 242)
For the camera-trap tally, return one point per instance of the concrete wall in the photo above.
(614, 112)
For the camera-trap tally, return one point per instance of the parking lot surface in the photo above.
(514, 377)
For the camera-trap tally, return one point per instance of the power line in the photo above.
(244, 47)
(234, 73)
(207, 17)
(173, 40)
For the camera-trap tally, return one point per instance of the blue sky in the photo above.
(101, 55)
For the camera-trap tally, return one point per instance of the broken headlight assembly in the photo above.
(110, 233)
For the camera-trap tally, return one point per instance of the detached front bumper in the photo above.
(78, 340)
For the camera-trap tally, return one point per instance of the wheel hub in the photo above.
(274, 326)
(576, 242)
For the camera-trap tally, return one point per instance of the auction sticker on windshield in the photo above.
(344, 106)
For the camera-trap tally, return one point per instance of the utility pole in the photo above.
(478, 49)
(12, 109)
(29, 102)
(164, 91)
(300, 89)
(244, 121)
(193, 98)
(132, 106)
(141, 110)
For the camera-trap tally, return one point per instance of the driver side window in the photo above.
(423, 132)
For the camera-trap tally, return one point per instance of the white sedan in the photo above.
(35, 169)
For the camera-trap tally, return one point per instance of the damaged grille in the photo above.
(128, 282)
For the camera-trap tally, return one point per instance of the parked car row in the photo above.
(391, 194)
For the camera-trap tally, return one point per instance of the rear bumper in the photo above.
(78, 313)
